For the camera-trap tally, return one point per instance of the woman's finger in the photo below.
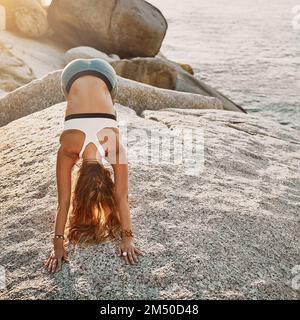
(138, 251)
(53, 265)
(125, 259)
(130, 258)
(135, 257)
(46, 263)
(50, 265)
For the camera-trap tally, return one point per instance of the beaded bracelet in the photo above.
(126, 233)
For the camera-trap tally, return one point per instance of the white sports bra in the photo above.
(90, 124)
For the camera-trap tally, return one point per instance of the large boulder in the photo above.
(128, 28)
(46, 91)
(152, 71)
(27, 16)
(84, 52)
(231, 232)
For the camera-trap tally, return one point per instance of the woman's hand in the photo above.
(57, 256)
(126, 245)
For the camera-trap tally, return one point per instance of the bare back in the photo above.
(89, 94)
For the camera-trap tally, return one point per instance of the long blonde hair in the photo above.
(94, 216)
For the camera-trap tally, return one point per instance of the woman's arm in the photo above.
(64, 164)
(117, 157)
(121, 195)
(120, 167)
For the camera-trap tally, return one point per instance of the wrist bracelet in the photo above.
(59, 236)
(126, 233)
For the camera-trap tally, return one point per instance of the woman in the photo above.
(100, 210)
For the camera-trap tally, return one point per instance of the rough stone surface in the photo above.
(14, 72)
(34, 96)
(128, 28)
(232, 232)
(46, 91)
(41, 55)
(137, 96)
